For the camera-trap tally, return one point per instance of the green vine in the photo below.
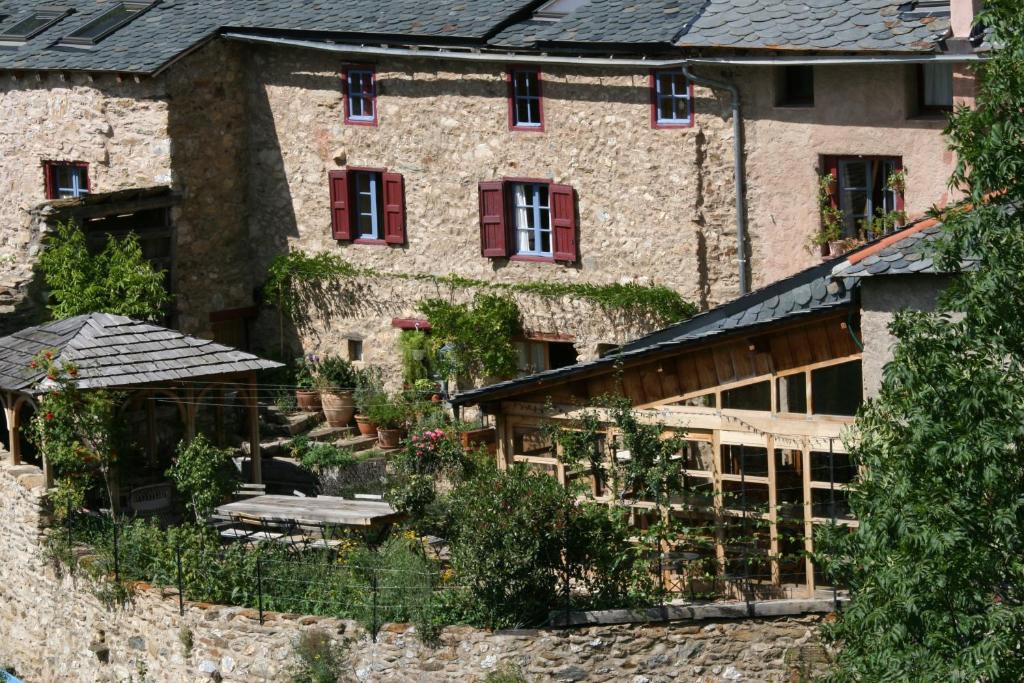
(289, 274)
(479, 335)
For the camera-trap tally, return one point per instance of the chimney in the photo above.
(962, 16)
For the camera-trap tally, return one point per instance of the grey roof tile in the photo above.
(112, 350)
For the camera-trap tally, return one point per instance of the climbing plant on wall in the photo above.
(478, 335)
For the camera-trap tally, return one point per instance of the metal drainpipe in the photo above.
(741, 180)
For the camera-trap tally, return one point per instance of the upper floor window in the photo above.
(66, 179)
(526, 110)
(367, 206)
(528, 219)
(532, 217)
(865, 190)
(794, 86)
(34, 24)
(102, 26)
(360, 96)
(935, 88)
(671, 99)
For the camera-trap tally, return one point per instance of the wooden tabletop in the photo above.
(319, 510)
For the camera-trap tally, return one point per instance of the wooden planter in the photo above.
(308, 400)
(366, 426)
(338, 407)
(389, 438)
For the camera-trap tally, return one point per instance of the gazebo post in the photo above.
(151, 436)
(254, 431)
(190, 415)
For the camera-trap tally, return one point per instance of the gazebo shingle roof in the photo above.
(115, 351)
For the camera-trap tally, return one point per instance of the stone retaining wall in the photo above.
(55, 629)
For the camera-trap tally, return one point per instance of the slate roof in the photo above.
(846, 25)
(810, 291)
(115, 351)
(173, 27)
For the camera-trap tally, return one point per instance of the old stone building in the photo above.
(510, 142)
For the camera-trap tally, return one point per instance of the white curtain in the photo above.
(522, 218)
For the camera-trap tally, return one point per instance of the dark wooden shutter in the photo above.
(563, 223)
(493, 220)
(394, 208)
(341, 217)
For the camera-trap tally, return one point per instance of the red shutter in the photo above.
(563, 223)
(341, 220)
(493, 222)
(394, 208)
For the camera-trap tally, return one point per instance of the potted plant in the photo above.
(336, 380)
(390, 415)
(306, 393)
(369, 391)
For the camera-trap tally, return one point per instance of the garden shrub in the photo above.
(317, 658)
(203, 474)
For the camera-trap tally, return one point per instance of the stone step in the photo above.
(290, 424)
(278, 446)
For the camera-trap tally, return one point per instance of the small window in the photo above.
(794, 86)
(105, 24)
(525, 107)
(935, 88)
(863, 191)
(34, 24)
(367, 205)
(361, 96)
(537, 356)
(66, 180)
(671, 99)
(355, 349)
(837, 389)
(531, 215)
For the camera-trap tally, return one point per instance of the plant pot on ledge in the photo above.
(367, 427)
(308, 400)
(389, 438)
(338, 407)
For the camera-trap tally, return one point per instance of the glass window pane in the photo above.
(832, 467)
(853, 175)
(534, 110)
(522, 111)
(545, 242)
(937, 85)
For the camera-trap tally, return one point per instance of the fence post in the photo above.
(259, 587)
(747, 541)
(71, 545)
(181, 583)
(374, 586)
(832, 506)
(117, 554)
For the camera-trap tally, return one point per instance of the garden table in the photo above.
(322, 510)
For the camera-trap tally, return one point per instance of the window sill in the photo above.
(363, 240)
(535, 259)
(372, 123)
(527, 129)
(795, 105)
(671, 124)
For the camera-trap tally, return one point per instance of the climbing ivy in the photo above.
(479, 335)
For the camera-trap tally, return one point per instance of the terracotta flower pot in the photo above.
(389, 438)
(366, 426)
(308, 400)
(338, 407)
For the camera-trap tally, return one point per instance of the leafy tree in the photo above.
(203, 474)
(118, 280)
(936, 568)
(79, 431)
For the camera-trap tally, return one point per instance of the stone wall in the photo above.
(118, 126)
(55, 629)
(881, 298)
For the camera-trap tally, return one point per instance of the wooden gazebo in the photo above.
(146, 361)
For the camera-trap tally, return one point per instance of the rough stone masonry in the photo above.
(54, 628)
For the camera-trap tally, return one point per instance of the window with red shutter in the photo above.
(860, 189)
(494, 242)
(394, 208)
(563, 223)
(341, 217)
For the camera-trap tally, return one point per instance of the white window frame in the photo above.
(528, 207)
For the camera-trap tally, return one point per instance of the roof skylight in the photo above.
(35, 23)
(102, 26)
(553, 10)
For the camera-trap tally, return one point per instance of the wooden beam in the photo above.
(808, 523)
(256, 457)
(773, 514)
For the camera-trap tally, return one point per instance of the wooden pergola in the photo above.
(146, 361)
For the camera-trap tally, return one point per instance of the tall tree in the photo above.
(936, 568)
(117, 280)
